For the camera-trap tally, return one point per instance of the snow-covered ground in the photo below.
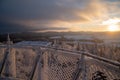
(33, 43)
(77, 37)
(106, 38)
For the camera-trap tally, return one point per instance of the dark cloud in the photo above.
(41, 9)
(47, 13)
(7, 27)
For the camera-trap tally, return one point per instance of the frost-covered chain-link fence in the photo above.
(63, 65)
(60, 65)
(48, 63)
(17, 63)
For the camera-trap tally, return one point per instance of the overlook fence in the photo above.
(49, 63)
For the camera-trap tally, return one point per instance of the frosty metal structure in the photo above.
(8, 67)
(53, 63)
(7, 51)
(86, 66)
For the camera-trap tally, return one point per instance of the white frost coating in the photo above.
(2, 51)
(25, 59)
(34, 43)
(10, 65)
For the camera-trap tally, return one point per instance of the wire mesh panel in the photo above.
(59, 65)
(9, 66)
(25, 59)
(65, 66)
(98, 70)
(19, 63)
(55, 64)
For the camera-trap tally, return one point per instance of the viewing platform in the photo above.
(51, 63)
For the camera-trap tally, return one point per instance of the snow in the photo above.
(56, 37)
(34, 43)
(106, 38)
(77, 37)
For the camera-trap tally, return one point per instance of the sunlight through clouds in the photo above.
(79, 15)
(112, 24)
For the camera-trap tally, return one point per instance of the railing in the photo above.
(49, 63)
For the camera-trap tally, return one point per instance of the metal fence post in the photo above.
(9, 62)
(37, 66)
(83, 66)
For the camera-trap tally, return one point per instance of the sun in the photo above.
(113, 28)
(112, 24)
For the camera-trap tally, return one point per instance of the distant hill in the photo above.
(33, 36)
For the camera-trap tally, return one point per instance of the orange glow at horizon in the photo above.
(113, 28)
(112, 24)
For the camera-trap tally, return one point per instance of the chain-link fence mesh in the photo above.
(60, 65)
(98, 70)
(52, 64)
(65, 66)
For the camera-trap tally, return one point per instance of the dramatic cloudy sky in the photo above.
(58, 15)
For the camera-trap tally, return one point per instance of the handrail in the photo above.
(88, 54)
(78, 53)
